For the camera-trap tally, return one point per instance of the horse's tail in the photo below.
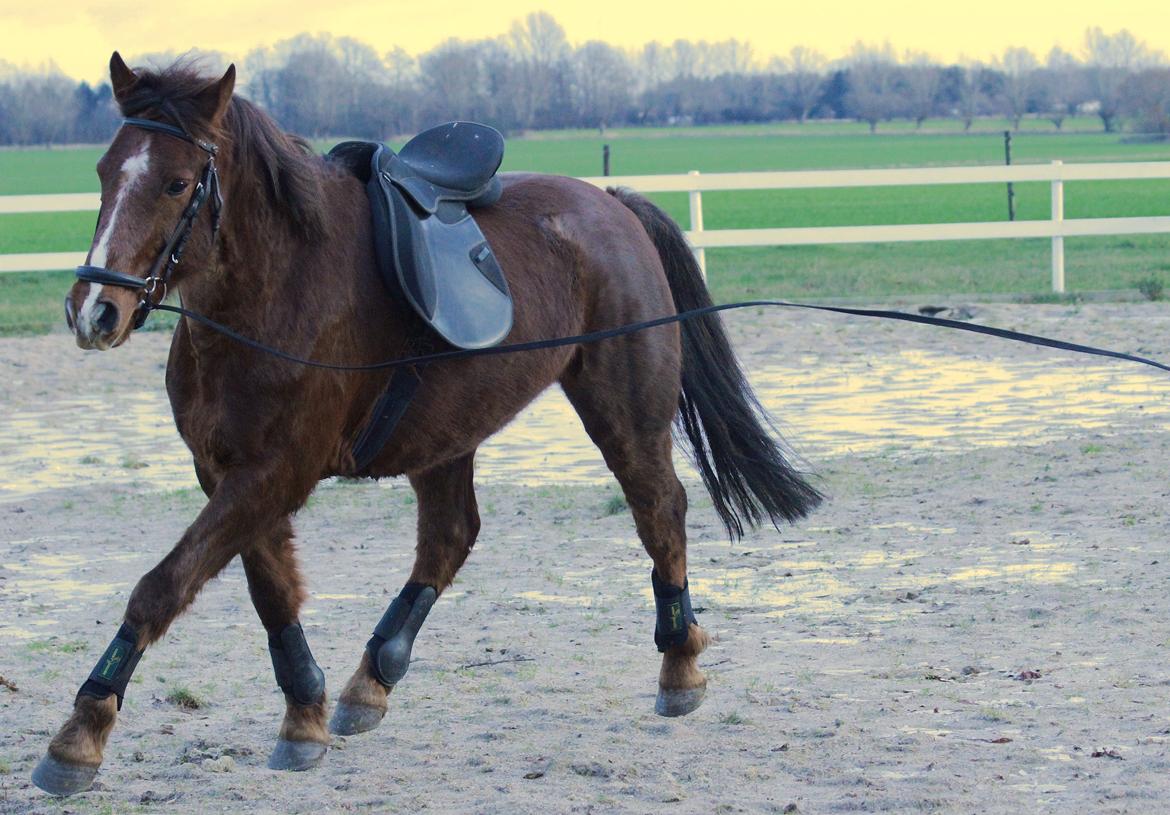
(742, 464)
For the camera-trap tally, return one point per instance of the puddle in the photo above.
(904, 403)
(54, 576)
(919, 399)
(1046, 572)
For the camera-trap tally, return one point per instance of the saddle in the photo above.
(429, 249)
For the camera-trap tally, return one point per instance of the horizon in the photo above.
(81, 47)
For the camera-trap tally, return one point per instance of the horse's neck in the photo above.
(254, 261)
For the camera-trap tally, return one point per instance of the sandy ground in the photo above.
(976, 622)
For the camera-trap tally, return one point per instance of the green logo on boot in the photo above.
(112, 660)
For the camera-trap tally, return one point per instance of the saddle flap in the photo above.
(450, 275)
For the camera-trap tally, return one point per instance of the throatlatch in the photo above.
(114, 669)
(674, 613)
(297, 673)
(389, 648)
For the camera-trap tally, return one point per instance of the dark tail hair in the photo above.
(741, 462)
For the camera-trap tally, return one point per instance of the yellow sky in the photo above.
(80, 34)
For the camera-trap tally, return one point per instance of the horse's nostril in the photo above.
(69, 312)
(107, 316)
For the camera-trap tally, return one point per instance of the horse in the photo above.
(283, 253)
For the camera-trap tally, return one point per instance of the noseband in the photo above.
(154, 285)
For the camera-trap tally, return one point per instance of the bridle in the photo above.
(154, 285)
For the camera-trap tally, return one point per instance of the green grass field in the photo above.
(32, 302)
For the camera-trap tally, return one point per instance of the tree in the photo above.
(540, 46)
(871, 97)
(1146, 98)
(921, 80)
(804, 71)
(967, 83)
(1111, 57)
(1060, 86)
(1017, 65)
(603, 78)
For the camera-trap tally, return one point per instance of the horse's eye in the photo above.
(176, 187)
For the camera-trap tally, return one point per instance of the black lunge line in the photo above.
(597, 336)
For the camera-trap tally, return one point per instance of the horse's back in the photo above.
(592, 244)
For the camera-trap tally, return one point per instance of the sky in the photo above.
(79, 35)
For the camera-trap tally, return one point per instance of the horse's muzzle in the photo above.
(96, 326)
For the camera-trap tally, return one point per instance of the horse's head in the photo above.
(149, 178)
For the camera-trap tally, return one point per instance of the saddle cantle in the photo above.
(429, 249)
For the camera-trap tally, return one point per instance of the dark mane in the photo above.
(279, 168)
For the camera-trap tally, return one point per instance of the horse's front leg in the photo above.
(245, 507)
(274, 581)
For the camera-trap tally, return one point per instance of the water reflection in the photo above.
(901, 403)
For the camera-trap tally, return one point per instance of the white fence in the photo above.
(1057, 228)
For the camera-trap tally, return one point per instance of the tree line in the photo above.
(533, 78)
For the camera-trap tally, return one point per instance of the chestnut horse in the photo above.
(289, 261)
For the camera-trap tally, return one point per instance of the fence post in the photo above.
(697, 225)
(1057, 223)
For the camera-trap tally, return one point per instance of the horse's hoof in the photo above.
(296, 755)
(61, 779)
(350, 719)
(678, 702)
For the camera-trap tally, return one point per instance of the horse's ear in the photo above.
(214, 99)
(122, 79)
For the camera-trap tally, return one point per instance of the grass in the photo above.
(614, 506)
(185, 698)
(32, 303)
(55, 645)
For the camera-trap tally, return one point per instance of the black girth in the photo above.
(154, 285)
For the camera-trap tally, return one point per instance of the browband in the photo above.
(171, 130)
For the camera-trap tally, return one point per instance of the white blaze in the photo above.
(133, 169)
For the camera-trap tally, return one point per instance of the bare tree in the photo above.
(603, 81)
(1018, 65)
(654, 66)
(921, 78)
(1146, 98)
(871, 97)
(1111, 57)
(540, 45)
(805, 75)
(969, 94)
(1060, 86)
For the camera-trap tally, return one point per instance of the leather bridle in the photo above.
(154, 285)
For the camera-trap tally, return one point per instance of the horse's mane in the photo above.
(279, 168)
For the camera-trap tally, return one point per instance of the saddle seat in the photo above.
(460, 156)
(430, 251)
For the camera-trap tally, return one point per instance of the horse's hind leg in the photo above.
(274, 581)
(448, 523)
(630, 422)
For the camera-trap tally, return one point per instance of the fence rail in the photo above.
(1056, 227)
